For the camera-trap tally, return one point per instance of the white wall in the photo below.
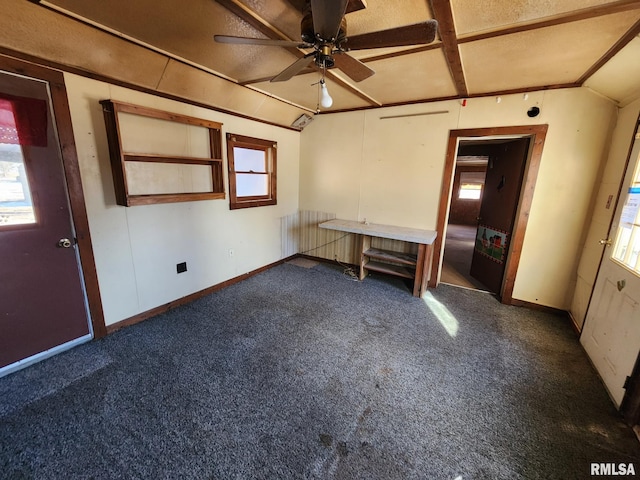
(598, 228)
(359, 166)
(354, 165)
(136, 248)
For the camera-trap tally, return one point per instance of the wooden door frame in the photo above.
(538, 134)
(62, 114)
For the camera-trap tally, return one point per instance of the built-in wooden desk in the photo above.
(415, 267)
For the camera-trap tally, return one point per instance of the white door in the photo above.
(611, 334)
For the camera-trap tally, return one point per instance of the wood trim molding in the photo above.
(74, 183)
(574, 325)
(538, 135)
(190, 298)
(443, 208)
(543, 308)
(532, 167)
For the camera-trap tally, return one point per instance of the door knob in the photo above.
(64, 243)
(605, 241)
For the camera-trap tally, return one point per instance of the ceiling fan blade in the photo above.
(259, 41)
(295, 68)
(352, 67)
(327, 16)
(417, 34)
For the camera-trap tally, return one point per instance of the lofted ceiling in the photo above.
(482, 48)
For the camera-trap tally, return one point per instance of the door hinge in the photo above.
(627, 382)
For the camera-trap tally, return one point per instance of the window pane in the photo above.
(620, 248)
(15, 198)
(470, 191)
(635, 250)
(626, 248)
(251, 185)
(249, 160)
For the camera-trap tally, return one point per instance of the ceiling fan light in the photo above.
(325, 99)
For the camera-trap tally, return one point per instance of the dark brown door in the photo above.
(42, 300)
(497, 213)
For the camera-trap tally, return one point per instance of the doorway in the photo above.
(496, 247)
(49, 299)
(464, 211)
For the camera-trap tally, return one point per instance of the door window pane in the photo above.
(16, 207)
(626, 248)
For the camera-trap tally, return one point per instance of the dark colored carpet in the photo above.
(303, 373)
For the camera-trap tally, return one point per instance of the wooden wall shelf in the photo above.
(120, 158)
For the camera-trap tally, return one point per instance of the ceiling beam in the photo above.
(575, 16)
(252, 18)
(619, 45)
(423, 48)
(443, 13)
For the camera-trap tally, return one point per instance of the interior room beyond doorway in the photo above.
(466, 199)
(486, 187)
(457, 257)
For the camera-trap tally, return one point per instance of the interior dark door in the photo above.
(42, 300)
(497, 212)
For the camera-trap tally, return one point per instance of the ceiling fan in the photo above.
(324, 29)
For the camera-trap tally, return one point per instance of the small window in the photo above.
(471, 185)
(23, 122)
(252, 171)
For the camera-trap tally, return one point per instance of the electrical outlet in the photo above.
(181, 267)
(231, 252)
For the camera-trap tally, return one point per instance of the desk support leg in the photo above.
(365, 245)
(420, 264)
(426, 272)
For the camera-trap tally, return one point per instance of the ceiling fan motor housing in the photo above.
(324, 61)
(306, 27)
(307, 32)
